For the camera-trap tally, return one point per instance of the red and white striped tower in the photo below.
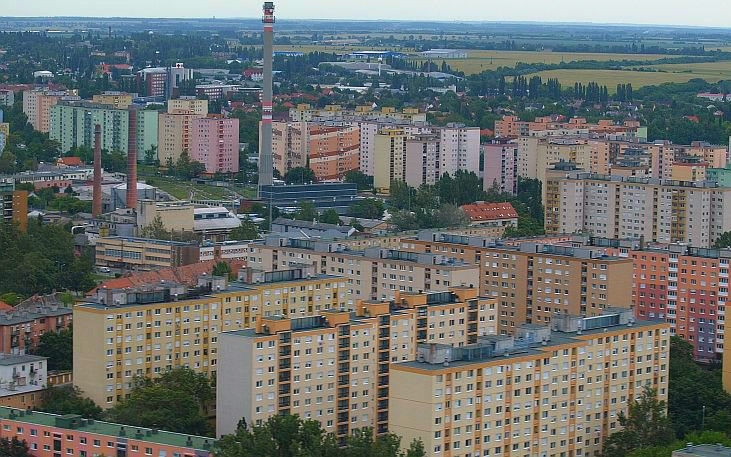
(266, 159)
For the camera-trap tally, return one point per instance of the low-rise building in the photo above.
(498, 214)
(546, 391)
(21, 327)
(311, 229)
(334, 368)
(134, 254)
(74, 435)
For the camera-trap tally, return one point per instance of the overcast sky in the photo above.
(675, 12)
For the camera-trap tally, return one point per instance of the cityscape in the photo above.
(294, 237)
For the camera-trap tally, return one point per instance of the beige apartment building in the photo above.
(533, 281)
(148, 330)
(334, 368)
(389, 157)
(535, 155)
(188, 105)
(143, 254)
(371, 274)
(119, 100)
(606, 206)
(547, 392)
(306, 113)
(175, 135)
(37, 106)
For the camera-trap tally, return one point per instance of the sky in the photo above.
(713, 13)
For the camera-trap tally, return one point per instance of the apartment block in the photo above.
(53, 435)
(501, 167)
(534, 280)
(558, 125)
(618, 207)
(37, 106)
(685, 286)
(307, 113)
(175, 135)
(371, 274)
(216, 143)
(147, 330)
(22, 326)
(332, 149)
(14, 205)
(334, 368)
(123, 129)
(7, 97)
(548, 391)
(188, 105)
(120, 100)
(389, 159)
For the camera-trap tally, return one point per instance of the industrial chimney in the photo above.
(132, 160)
(96, 205)
(266, 172)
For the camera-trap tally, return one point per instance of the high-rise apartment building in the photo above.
(533, 281)
(123, 129)
(14, 204)
(334, 368)
(373, 273)
(389, 158)
(176, 128)
(37, 106)
(547, 391)
(147, 330)
(331, 149)
(619, 207)
(501, 166)
(116, 99)
(216, 143)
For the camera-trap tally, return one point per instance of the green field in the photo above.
(479, 61)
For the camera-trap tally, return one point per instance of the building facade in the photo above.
(216, 143)
(545, 392)
(14, 205)
(617, 207)
(37, 106)
(145, 331)
(334, 368)
(501, 167)
(52, 435)
(534, 280)
(142, 254)
(371, 274)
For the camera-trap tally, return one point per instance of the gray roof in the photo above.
(14, 359)
(312, 225)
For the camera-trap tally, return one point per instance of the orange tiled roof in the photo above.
(482, 211)
(187, 275)
(5, 307)
(71, 161)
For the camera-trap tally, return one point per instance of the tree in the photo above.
(306, 212)
(280, 436)
(247, 231)
(369, 208)
(14, 448)
(222, 269)
(151, 155)
(58, 347)
(404, 220)
(155, 229)
(451, 216)
(68, 399)
(360, 179)
(175, 401)
(644, 425)
(330, 216)
(299, 175)
(723, 241)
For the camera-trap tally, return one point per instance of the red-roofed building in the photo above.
(481, 213)
(65, 162)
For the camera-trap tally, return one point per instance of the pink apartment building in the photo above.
(215, 143)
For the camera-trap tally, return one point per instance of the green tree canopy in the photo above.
(175, 401)
(68, 399)
(58, 347)
(14, 448)
(329, 216)
(247, 231)
(645, 425)
(369, 208)
(357, 177)
(300, 175)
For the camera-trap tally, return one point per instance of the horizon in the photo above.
(672, 13)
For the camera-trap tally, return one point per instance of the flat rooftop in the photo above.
(112, 430)
(558, 339)
(703, 450)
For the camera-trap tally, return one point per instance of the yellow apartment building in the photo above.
(146, 331)
(389, 155)
(547, 392)
(534, 280)
(371, 274)
(120, 100)
(188, 105)
(334, 368)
